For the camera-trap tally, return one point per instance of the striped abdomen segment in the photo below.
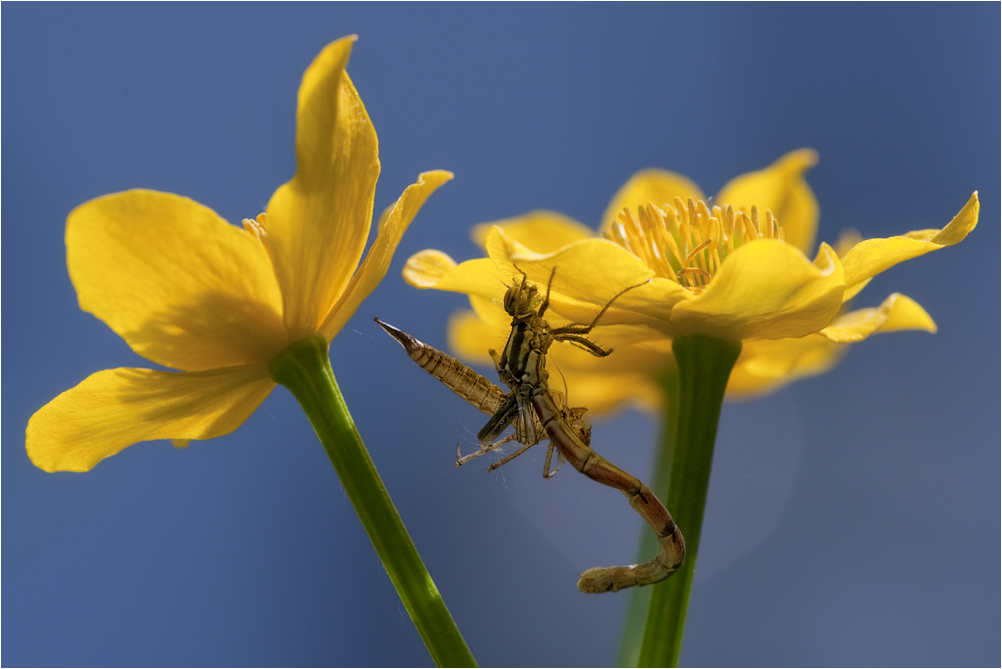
(650, 508)
(460, 379)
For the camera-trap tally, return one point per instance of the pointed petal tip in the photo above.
(347, 40)
(344, 44)
(439, 176)
(897, 312)
(801, 159)
(962, 224)
(904, 313)
(796, 162)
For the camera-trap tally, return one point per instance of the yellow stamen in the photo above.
(257, 227)
(694, 253)
(688, 241)
(694, 270)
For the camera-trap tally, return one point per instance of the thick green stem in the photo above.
(640, 598)
(304, 368)
(704, 366)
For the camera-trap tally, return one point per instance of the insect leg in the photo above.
(506, 412)
(586, 344)
(508, 458)
(585, 329)
(547, 474)
(463, 459)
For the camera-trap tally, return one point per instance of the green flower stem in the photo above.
(704, 366)
(305, 369)
(640, 598)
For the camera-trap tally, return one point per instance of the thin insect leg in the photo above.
(463, 459)
(546, 300)
(547, 474)
(508, 458)
(557, 397)
(586, 344)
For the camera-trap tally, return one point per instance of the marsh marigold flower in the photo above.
(189, 291)
(735, 268)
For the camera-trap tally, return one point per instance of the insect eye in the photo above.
(511, 300)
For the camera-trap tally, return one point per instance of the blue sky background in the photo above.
(853, 518)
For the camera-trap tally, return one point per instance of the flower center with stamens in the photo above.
(687, 242)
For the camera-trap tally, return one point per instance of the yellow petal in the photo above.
(470, 338)
(873, 256)
(604, 393)
(589, 274)
(541, 231)
(391, 228)
(855, 290)
(319, 221)
(182, 286)
(585, 268)
(649, 357)
(766, 289)
(647, 305)
(431, 269)
(491, 310)
(116, 408)
(628, 376)
(897, 312)
(768, 364)
(658, 186)
(425, 268)
(781, 189)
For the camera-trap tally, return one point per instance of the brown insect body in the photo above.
(522, 367)
(538, 413)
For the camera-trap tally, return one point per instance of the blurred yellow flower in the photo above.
(189, 291)
(736, 270)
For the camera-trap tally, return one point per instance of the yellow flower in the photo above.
(187, 290)
(735, 270)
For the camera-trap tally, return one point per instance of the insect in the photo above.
(522, 367)
(489, 398)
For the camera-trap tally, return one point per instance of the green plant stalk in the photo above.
(304, 368)
(640, 598)
(704, 366)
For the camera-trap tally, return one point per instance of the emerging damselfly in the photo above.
(522, 367)
(489, 398)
